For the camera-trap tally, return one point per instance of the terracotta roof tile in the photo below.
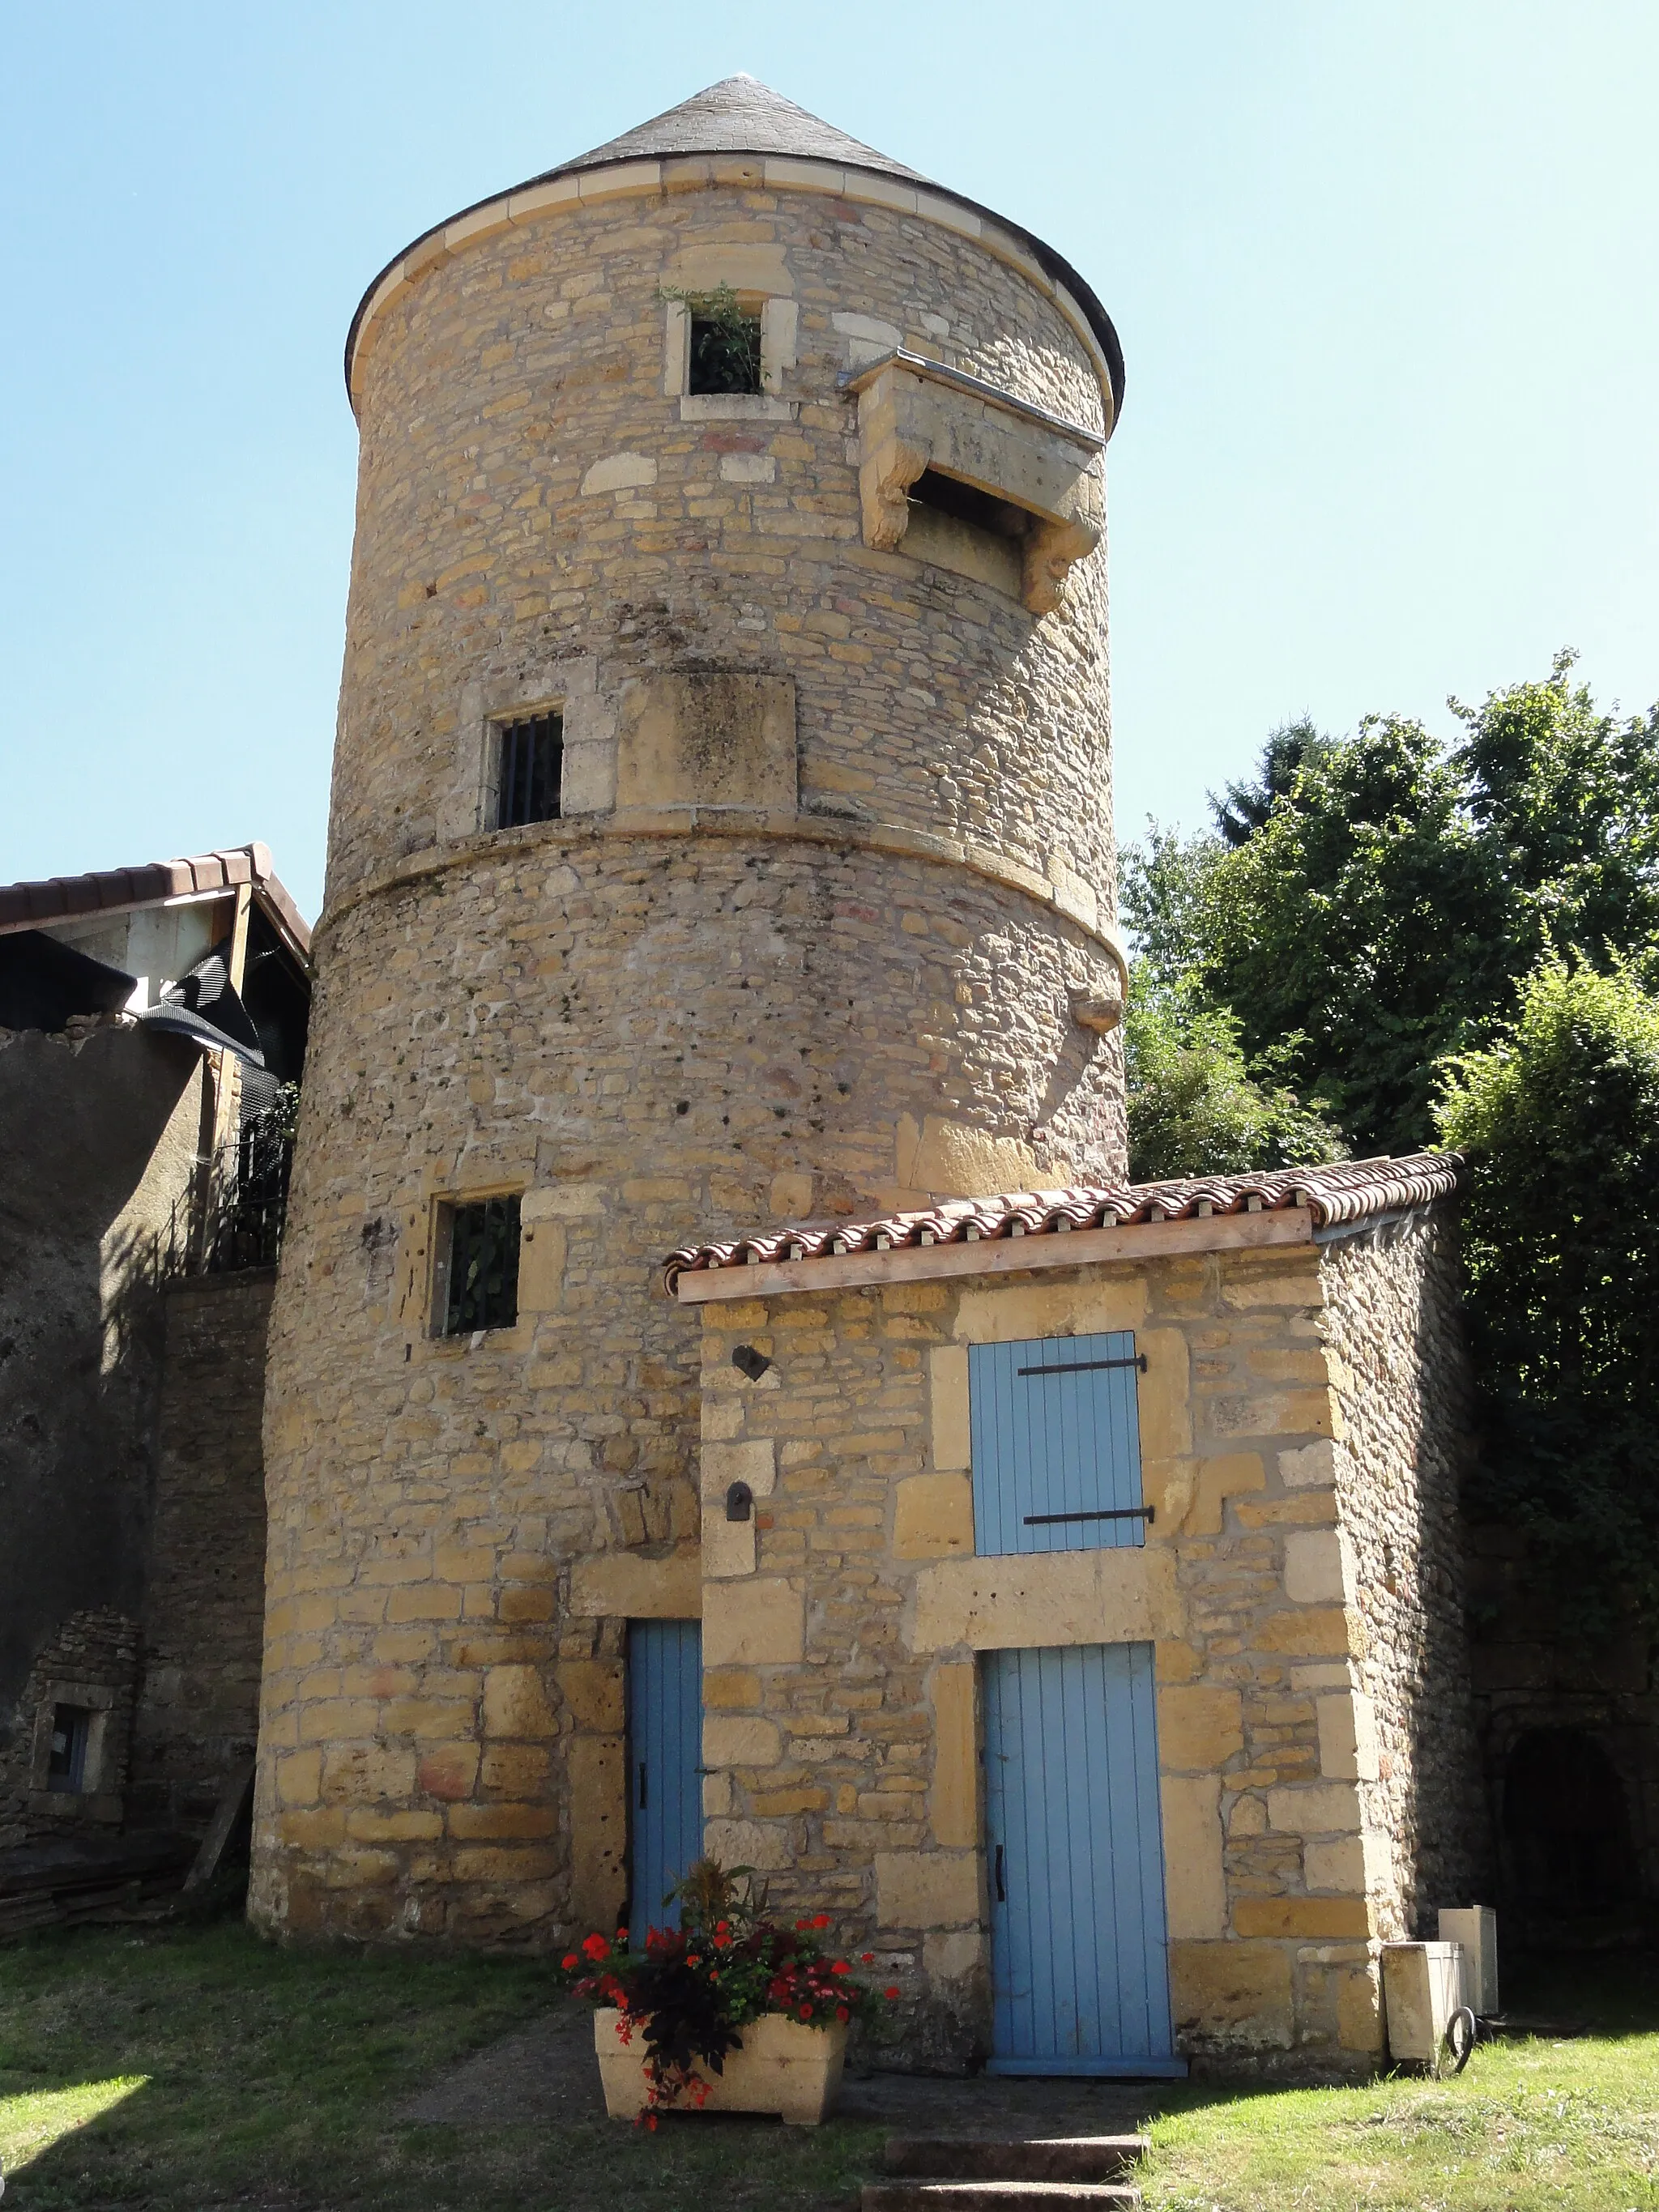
(1350, 1191)
(111, 891)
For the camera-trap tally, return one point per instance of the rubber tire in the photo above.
(1461, 2032)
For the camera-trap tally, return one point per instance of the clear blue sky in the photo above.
(1384, 275)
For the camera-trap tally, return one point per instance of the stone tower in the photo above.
(814, 653)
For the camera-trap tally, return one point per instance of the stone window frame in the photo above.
(588, 779)
(91, 1801)
(440, 1213)
(780, 320)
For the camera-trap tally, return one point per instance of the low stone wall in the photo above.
(204, 1611)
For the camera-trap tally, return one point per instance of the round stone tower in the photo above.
(721, 832)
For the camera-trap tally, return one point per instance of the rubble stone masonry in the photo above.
(833, 865)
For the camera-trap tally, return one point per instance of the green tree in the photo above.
(1243, 807)
(1397, 891)
(1560, 1118)
(1357, 922)
(1194, 1107)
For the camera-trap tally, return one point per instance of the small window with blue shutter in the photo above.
(1056, 1444)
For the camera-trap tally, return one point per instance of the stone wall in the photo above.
(702, 1000)
(841, 1630)
(1401, 1375)
(204, 1605)
(98, 1129)
(91, 1660)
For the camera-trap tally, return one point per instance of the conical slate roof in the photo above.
(740, 115)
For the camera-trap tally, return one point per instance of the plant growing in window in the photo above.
(725, 341)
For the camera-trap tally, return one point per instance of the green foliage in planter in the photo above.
(689, 1993)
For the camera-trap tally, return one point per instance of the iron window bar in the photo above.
(1086, 1366)
(1146, 1513)
(532, 760)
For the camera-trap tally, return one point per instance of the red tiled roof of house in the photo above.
(1349, 1191)
(114, 890)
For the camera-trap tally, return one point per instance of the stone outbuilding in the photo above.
(1080, 1588)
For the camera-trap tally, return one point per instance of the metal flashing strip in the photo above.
(1000, 1256)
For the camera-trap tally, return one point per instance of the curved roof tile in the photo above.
(1348, 1191)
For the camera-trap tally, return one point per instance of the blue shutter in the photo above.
(1055, 1432)
(664, 1762)
(1079, 1972)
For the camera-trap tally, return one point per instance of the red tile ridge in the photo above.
(1346, 1191)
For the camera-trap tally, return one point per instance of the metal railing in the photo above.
(232, 1213)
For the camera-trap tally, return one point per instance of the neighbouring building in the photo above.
(720, 836)
(149, 1017)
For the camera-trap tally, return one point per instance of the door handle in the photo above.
(641, 1786)
(1002, 1892)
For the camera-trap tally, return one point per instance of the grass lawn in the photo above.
(193, 2069)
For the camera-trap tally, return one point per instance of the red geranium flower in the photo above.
(596, 1947)
(821, 1920)
(867, 1958)
(890, 1993)
(841, 1966)
(570, 1960)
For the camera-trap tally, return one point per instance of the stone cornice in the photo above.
(733, 822)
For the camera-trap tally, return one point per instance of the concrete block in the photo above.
(1422, 1987)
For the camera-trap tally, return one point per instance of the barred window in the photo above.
(480, 1283)
(532, 760)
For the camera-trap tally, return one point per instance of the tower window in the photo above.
(531, 762)
(965, 502)
(66, 1762)
(480, 1283)
(726, 344)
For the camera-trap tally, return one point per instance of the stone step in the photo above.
(1006, 2196)
(1039, 2158)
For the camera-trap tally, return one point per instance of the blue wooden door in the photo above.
(1079, 1966)
(664, 1761)
(1055, 1443)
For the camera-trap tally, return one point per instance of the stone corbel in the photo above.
(916, 414)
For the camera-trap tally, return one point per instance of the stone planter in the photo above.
(782, 2066)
